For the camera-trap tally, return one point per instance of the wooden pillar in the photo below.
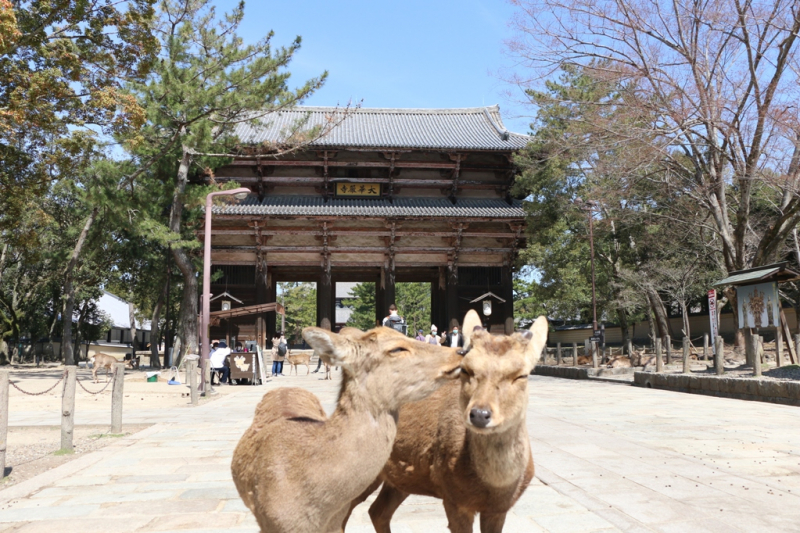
(451, 300)
(659, 361)
(719, 353)
(507, 293)
(778, 347)
(686, 368)
(381, 307)
(389, 291)
(266, 292)
(325, 301)
(439, 299)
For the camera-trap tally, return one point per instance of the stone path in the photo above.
(609, 457)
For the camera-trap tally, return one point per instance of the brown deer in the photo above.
(467, 443)
(298, 470)
(102, 360)
(299, 359)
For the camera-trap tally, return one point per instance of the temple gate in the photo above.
(386, 195)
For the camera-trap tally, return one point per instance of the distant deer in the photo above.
(102, 360)
(467, 443)
(299, 359)
(298, 470)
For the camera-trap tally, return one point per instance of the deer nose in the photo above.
(480, 418)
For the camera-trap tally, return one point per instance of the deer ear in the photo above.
(538, 339)
(351, 333)
(471, 321)
(334, 349)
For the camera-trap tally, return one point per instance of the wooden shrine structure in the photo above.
(384, 196)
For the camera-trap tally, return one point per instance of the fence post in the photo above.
(191, 369)
(686, 355)
(778, 347)
(756, 340)
(3, 421)
(116, 398)
(705, 346)
(558, 354)
(574, 354)
(594, 355)
(68, 409)
(587, 347)
(659, 361)
(719, 354)
(668, 348)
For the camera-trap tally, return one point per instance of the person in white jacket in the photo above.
(217, 359)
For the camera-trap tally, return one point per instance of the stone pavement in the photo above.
(608, 457)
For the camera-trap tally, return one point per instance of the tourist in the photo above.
(394, 320)
(433, 338)
(281, 349)
(454, 339)
(218, 360)
(420, 335)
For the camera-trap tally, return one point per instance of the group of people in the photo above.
(453, 339)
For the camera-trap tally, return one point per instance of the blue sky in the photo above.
(410, 53)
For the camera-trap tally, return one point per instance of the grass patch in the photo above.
(108, 435)
(64, 452)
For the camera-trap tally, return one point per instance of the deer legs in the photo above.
(459, 520)
(385, 505)
(492, 523)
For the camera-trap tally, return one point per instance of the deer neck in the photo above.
(370, 424)
(500, 459)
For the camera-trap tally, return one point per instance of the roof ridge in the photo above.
(398, 110)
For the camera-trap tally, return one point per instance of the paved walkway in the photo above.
(609, 457)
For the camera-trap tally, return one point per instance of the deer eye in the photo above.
(399, 349)
(523, 376)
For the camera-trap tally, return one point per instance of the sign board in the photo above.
(358, 190)
(712, 316)
(758, 305)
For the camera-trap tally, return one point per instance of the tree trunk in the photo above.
(651, 326)
(660, 312)
(685, 317)
(187, 319)
(69, 291)
(132, 318)
(625, 327)
(739, 336)
(155, 331)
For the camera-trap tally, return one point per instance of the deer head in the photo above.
(494, 375)
(392, 368)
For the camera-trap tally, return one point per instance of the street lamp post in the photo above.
(240, 194)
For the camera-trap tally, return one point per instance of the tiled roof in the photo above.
(473, 128)
(413, 207)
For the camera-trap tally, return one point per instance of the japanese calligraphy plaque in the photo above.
(358, 190)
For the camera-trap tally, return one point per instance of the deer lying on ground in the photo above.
(298, 470)
(102, 360)
(299, 359)
(467, 443)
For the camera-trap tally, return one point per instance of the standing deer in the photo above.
(468, 442)
(298, 470)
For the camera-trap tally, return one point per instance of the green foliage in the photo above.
(363, 305)
(300, 301)
(413, 304)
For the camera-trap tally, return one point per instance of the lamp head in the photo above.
(487, 307)
(240, 195)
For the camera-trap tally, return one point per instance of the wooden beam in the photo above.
(365, 164)
(415, 218)
(400, 182)
(355, 232)
(362, 249)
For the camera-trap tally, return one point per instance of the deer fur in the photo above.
(298, 470)
(102, 360)
(439, 450)
(299, 359)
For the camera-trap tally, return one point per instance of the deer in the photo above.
(297, 469)
(102, 360)
(467, 443)
(299, 359)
